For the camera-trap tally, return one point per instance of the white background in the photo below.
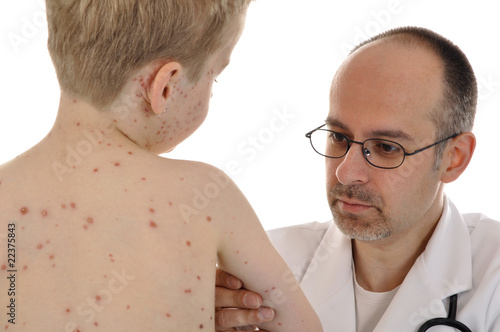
(283, 65)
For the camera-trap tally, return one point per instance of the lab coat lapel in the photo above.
(443, 269)
(328, 281)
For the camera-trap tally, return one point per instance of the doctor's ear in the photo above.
(458, 156)
(163, 84)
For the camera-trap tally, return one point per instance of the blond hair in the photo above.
(96, 45)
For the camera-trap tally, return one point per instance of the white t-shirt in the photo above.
(370, 306)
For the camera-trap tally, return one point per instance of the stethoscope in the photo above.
(448, 321)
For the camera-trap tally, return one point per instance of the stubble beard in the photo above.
(372, 227)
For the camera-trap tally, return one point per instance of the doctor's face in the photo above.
(386, 91)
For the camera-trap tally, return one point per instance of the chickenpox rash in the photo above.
(39, 246)
(73, 205)
(188, 243)
(187, 291)
(23, 210)
(152, 224)
(44, 213)
(117, 164)
(152, 210)
(90, 220)
(209, 219)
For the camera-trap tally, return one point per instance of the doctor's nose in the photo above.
(353, 167)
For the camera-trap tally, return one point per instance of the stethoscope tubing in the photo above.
(448, 321)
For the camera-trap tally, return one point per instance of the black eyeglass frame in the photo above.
(363, 150)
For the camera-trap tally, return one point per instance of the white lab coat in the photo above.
(462, 256)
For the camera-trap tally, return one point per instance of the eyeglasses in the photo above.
(380, 153)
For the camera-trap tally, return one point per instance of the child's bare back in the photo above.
(109, 246)
(103, 233)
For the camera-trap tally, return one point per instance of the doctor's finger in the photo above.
(242, 298)
(224, 279)
(235, 318)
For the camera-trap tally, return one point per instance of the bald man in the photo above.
(398, 255)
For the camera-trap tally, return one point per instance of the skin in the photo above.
(110, 229)
(388, 90)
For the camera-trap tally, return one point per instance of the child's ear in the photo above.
(163, 84)
(458, 157)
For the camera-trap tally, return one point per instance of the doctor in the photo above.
(402, 108)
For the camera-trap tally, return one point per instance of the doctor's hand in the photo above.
(237, 309)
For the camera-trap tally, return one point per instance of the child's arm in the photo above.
(246, 252)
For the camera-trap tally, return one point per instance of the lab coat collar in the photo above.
(328, 281)
(443, 269)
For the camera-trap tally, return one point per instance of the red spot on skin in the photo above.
(280, 324)
(153, 224)
(143, 179)
(96, 324)
(63, 206)
(170, 203)
(4, 267)
(187, 291)
(73, 205)
(75, 101)
(78, 124)
(96, 170)
(209, 219)
(51, 257)
(188, 243)
(25, 267)
(67, 310)
(23, 210)
(198, 277)
(246, 263)
(152, 210)
(128, 307)
(39, 246)
(237, 252)
(98, 298)
(117, 164)
(201, 326)
(168, 315)
(90, 220)
(44, 213)
(182, 179)
(85, 227)
(130, 153)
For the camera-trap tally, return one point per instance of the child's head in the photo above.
(97, 45)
